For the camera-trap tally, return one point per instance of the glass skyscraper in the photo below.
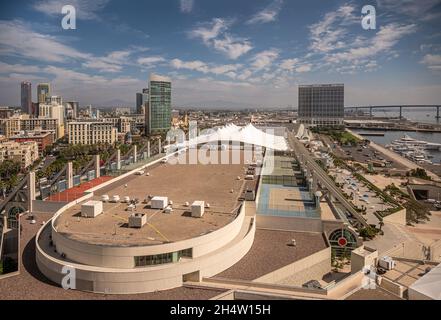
(158, 113)
(26, 97)
(43, 92)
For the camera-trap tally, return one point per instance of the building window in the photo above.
(158, 259)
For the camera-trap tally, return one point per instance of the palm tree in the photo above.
(381, 224)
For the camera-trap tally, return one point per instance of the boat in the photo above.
(412, 143)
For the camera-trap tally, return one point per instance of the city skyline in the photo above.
(223, 54)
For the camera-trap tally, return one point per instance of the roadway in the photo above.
(303, 154)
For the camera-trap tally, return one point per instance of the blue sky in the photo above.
(241, 53)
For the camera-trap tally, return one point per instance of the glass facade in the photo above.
(164, 258)
(159, 111)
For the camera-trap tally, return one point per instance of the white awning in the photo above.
(248, 135)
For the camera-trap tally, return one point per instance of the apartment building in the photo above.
(91, 132)
(16, 124)
(23, 152)
(42, 138)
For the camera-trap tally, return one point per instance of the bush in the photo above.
(368, 233)
(419, 173)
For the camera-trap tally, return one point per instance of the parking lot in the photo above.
(360, 193)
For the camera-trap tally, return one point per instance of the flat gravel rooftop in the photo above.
(215, 184)
(271, 250)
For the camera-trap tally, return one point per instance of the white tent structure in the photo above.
(428, 287)
(248, 135)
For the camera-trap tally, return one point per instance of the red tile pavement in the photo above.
(77, 192)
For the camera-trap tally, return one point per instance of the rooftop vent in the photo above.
(91, 209)
(137, 220)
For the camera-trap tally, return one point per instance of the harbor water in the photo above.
(390, 136)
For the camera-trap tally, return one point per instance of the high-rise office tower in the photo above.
(322, 104)
(142, 100)
(158, 111)
(26, 97)
(71, 110)
(43, 92)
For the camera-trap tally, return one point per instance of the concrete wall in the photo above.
(363, 257)
(433, 190)
(409, 250)
(391, 286)
(123, 257)
(146, 279)
(397, 218)
(346, 286)
(435, 251)
(313, 267)
(289, 223)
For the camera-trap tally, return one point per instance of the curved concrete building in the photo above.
(109, 255)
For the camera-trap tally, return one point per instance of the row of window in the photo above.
(158, 259)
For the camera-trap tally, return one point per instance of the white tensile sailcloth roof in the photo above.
(249, 135)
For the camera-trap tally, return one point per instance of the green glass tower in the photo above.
(158, 113)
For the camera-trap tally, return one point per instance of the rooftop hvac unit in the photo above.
(91, 209)
(137, 220)
(159, 203)
(168, 210)
(198, 209)
(386, 263)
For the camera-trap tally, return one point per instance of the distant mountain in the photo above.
(115, 103)
(219, 105)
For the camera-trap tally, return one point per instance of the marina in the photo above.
(421, 148)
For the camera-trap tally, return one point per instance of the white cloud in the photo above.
(205, 68)
(264, 59)
(189, 65)
(382, 43)
(289, 64)
(327, 35)
(231, 47)
(85, 9)
(214, 35)
(432, 61)
(17, 39)
(187, 6)
(210, 31)
(304, 68)
(150, 61)
(268, 14)
(18, 68)
(336, 46)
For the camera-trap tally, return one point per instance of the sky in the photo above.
(229, 53)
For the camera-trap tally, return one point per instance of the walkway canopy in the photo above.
(248, 135)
